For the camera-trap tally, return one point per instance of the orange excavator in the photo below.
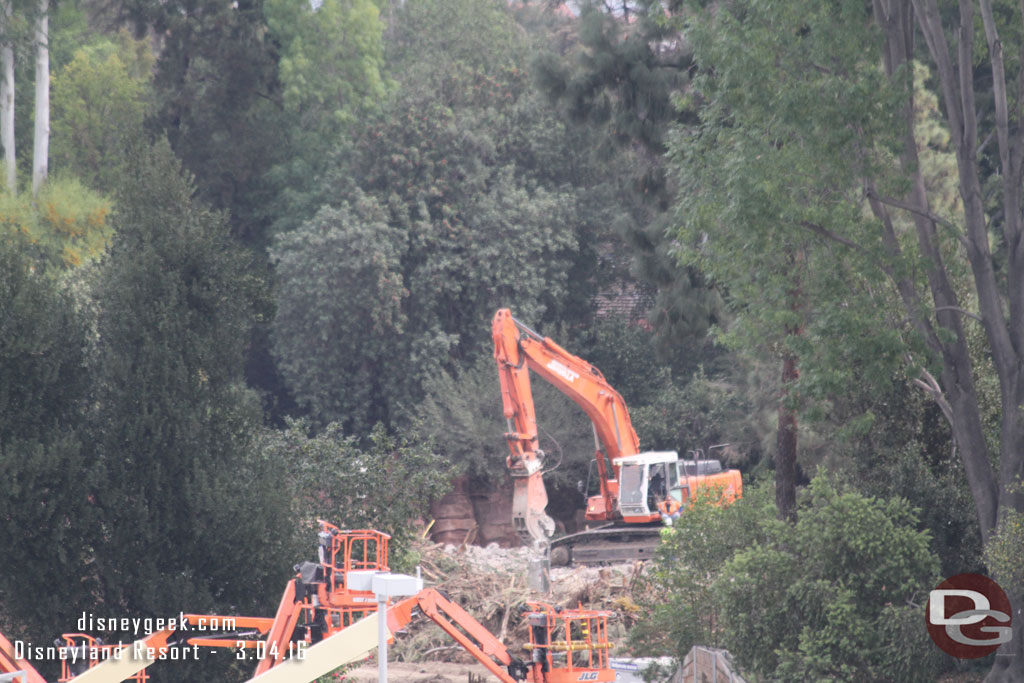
(639, 492)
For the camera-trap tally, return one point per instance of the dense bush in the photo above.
(819, 600)
(832, 597)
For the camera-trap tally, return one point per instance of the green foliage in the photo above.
(463, 416)
(700, 414)
(66, 223)
(331, 73)
(321, 337)
(819, 600)
(331, 60)
(215, 88)
(680, 606)
(480, 36)
(186, 506)
(98, 102)
(894, 441)
(838, 596)
(1004, 551)
(619, 74)
(763, 169)
(438, 185)
(385, 485)
(613, 72)
(44, 510)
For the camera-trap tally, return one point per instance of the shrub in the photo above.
(822, 599)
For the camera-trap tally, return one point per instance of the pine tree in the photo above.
(185, 509)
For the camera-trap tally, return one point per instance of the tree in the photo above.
(99, 103)
(7, 97)
(65, 225)
(845, 177)
(331, 72)
(41, 138)
(387, 483)
(614, 71)
(331, 61)
(448, 185)
(838, 595)
(321, 337)
(216, 98)
(45, 515)
(173, 422)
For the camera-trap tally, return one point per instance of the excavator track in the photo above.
(604, 545)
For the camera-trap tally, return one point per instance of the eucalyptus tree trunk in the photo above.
(7, 97)
(41, 138)
(994, 479)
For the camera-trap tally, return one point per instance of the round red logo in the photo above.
(968, 616)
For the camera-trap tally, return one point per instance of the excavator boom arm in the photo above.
(517, 351)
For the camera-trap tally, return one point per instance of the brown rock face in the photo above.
(493, 512)
(475, 515)
(453, 515)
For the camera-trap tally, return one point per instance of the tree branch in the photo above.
(905, 286)
(931, 386)
(962, 311)
(825, 232)
(938, 220)
(931, 26)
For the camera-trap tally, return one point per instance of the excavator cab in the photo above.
(645, 481)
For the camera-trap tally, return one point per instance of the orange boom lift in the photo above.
(327, 606)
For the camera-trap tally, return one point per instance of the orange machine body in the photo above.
(622, 497)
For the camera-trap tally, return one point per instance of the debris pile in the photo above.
(491, 584)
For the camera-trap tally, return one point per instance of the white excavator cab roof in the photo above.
(649, 458)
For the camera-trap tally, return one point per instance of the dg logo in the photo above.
(968, 616)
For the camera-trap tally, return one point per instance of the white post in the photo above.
(382, 638)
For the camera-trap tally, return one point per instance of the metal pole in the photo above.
(382, 639)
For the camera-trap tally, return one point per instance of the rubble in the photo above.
(491, 583)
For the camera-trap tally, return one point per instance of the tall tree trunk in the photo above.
(1001, 307)
(786, 438)
(41, 139)
(7, 98)
(786, 442)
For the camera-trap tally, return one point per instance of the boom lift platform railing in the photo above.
(328, 617)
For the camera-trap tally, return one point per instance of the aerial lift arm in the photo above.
(463, 629)
(518, 350)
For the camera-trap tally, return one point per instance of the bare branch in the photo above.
(961, 311)
(984, 143)
(938, 220)
(930, 385)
